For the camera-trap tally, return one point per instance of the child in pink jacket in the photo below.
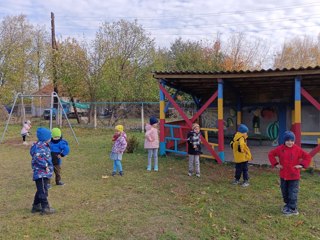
(152, 142)
(25, 131)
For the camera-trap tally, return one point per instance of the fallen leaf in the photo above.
(298, 223)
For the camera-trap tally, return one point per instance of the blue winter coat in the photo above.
(59, 147)
(41, 162)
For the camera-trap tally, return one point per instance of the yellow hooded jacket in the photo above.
(245, 154)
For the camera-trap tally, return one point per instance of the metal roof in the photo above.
(258, 86)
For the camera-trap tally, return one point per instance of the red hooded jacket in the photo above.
(288, 158)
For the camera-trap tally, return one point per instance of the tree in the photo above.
(15, 45)
(242, 54)
(298, 52)
(122, 62)
(72, 69)
(39, 57)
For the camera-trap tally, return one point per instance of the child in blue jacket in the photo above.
(59, 148)
(42, 171)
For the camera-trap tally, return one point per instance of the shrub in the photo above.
(133, 144)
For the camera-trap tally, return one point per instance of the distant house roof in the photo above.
(271, 85)
(46, 90)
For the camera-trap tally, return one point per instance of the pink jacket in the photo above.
(25, 129)
(151, 137)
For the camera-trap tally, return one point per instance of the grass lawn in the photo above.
(147, 205)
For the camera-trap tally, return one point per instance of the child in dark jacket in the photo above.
(194, 149)
(289, 158)
(59, 148)
(42, 171)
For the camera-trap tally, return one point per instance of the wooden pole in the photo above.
(54, 60)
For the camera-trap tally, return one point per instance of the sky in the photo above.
(272, 21)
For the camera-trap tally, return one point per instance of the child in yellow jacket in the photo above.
(242, 155)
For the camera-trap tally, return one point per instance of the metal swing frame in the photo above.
(52, 96)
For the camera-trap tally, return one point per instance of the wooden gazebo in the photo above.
(287, 87)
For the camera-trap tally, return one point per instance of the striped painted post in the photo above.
(220, 120)
(297, 110)
(162, 147)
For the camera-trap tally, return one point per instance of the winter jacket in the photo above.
(25, 129)
(151, 137)
(289, 157)
(58, 147)
(41, 160)
(120, 145)
(194, 143)
(245, 154)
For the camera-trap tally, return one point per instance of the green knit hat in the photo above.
(55, 132)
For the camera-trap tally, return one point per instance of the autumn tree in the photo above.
(39, 58)
(72, 70)
(240, 53)
(15, 45)
(298, 52)
(122, 61)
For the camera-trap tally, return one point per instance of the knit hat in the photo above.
(119, 128)
(195, 125)
(28, 122)
(243, 128)
(288, 135)
(56, 133)
(43, 134)
(153, 120)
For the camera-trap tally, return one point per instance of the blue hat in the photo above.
(43, 134)
(243, 128)
(288, 135)
(153, 120)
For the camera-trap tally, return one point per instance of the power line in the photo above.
(224, 25)
(162, 17)
(237, 23)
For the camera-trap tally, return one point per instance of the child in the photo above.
(152, 143)
(194, 149)
(25, 131)
(289, 158)
(42, 171)
(242, 155)
(59, 148)
(119, 146)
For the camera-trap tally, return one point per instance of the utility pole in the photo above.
(54, 61)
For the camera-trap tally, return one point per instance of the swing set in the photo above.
(60, 111)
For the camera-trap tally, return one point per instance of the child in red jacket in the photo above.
(290, 159)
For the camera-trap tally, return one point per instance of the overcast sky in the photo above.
(270, 20)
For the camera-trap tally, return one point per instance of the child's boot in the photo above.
(156, 169)
(36, 208)
(47, 210)
(245, 183)
(113, 173)
(121, 173)
(235, 182)
(149, 168)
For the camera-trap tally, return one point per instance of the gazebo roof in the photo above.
(258, 86)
